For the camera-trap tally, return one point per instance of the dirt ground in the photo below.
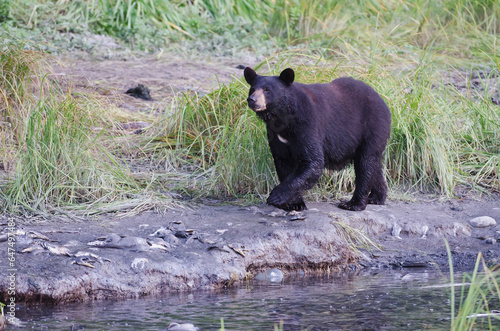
(62, 260)
(164, 75)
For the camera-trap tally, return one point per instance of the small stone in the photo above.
(279, 213)
(296, 216)
(274, 275)
(425, 228)
(260, 276)
(182, 327)
(460, 229)
(482, 222)
(490, 241)
(182, 234)
(396, 230)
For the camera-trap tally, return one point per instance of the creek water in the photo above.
(408, 299)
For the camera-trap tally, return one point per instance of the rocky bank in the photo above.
(209, 247)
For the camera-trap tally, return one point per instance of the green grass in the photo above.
(467, 27)
(214, 145)
(21, 71)
(58, 160)
(478, 298)
(54, 149)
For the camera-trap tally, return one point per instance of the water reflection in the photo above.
(386, 300)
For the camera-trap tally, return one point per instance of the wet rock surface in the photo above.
(207, 247)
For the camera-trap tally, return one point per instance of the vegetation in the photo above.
(420, 55)
(478, 296)
(50, 141)
(226, 27)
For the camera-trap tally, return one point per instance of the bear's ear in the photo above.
(250, 75)
(287, 76)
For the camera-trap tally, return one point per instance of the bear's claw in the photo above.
(349, 205)
(278, 202)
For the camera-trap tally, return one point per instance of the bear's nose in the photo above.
(251, 99)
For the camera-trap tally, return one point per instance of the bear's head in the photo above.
(266, 92)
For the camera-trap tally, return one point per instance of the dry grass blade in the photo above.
(355, 238)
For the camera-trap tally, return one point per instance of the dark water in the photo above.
(388, 300)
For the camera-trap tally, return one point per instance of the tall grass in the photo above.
(215, 133)
(21, 73)
(477, 298)
(58, 163)
(54, 151)
(440, 138)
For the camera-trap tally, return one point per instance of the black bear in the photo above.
(316, 126)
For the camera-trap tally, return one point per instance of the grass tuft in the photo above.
(355, 238)
(56, 154)
(477, 299)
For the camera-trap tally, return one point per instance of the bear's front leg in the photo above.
(285, 202)
(288, 194)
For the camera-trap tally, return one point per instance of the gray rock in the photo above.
(274, 275)
(425, 229)
(260, 277)
(182, 327)
(482, 222)
(396, 230)
(490, 241)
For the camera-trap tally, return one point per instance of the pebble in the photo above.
(490, 241)
(482, 222)
(272, 275)
(296, 216)
(182, 327)
(425, 228)
(396, 230)
(260, 277)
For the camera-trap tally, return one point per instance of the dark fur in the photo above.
(323, 126)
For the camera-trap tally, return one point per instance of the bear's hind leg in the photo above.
(364, 169)
(378, 193)
(352, 205)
